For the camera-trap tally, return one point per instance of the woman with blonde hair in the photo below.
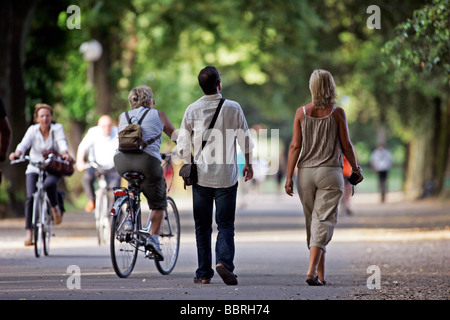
(43, 135)
(319, 142)
(148, 162)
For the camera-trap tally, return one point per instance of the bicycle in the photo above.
(42, 219)
(128, 234)
(103, 199)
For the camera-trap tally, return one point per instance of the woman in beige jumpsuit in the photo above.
(321, 134)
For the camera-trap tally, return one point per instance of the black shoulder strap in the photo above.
(143, 116)
(150, 141)
(128, 117)
(140, 120)
(213, 121)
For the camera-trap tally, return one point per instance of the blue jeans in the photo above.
(225, 201)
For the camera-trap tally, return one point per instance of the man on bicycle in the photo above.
(99, 146)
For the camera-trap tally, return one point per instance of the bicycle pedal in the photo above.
(149, 254)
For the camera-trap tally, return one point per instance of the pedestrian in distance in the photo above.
(321, 139)
(99, 145)
(147, 162)
(43, 135)
(381, 162)
(217, 171)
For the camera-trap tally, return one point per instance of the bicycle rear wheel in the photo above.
(169, 238)
(123, 246)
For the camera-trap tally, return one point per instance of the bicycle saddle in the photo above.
(134, 177)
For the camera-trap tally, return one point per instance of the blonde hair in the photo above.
(323, 89)
(40, 106)
(139, 96)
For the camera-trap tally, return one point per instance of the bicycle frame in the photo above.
(41, 209)
(126, 241)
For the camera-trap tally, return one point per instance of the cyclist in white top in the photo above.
(100, 145)
(39, 137)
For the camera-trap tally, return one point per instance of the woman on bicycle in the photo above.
(147, 162)
(41, 136)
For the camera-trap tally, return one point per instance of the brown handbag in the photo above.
(57, 165)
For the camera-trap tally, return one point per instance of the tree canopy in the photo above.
(393, 80)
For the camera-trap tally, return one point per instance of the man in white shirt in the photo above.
(381, 161)
(217, 171)
(100, 145)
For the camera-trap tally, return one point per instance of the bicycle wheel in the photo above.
(169, 238)
(102, 216)
(47, 222)
(37, 225)
(124, 248)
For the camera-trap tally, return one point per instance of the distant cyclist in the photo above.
(41, 136)
(99, 145)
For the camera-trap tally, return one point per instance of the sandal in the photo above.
(313, 281)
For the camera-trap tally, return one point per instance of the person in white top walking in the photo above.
(100, 145)
(217, 171)
(381, 162)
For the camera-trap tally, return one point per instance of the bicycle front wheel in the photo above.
(102, 216)
(37, 225)
(47, 221)
(169, 238)
(123, 246)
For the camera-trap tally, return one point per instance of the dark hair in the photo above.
(209, 78)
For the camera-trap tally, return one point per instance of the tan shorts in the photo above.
(320, 190)
(154, 185)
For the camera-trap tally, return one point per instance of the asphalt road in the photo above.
(407, 242)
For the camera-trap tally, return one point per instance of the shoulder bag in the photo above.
(188, 171)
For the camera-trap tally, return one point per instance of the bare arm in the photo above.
(344, 137)
(294, 151)
(169, 129)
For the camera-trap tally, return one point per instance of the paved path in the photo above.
(406, 241)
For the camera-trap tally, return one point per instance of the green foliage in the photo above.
(422, 46)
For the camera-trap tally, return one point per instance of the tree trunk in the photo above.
(14, 26)
(428, 153)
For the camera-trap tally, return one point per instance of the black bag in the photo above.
(189, 174)
(188, 171)
(353, 178)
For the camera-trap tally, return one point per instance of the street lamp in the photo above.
(92, 51)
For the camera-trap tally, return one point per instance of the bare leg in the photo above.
(315, 255)
(28, 238)
(156, 218)
(321, 268)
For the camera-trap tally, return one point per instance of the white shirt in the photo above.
(101, 148)
(381, 159)
(33, 138)
(217, 165)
